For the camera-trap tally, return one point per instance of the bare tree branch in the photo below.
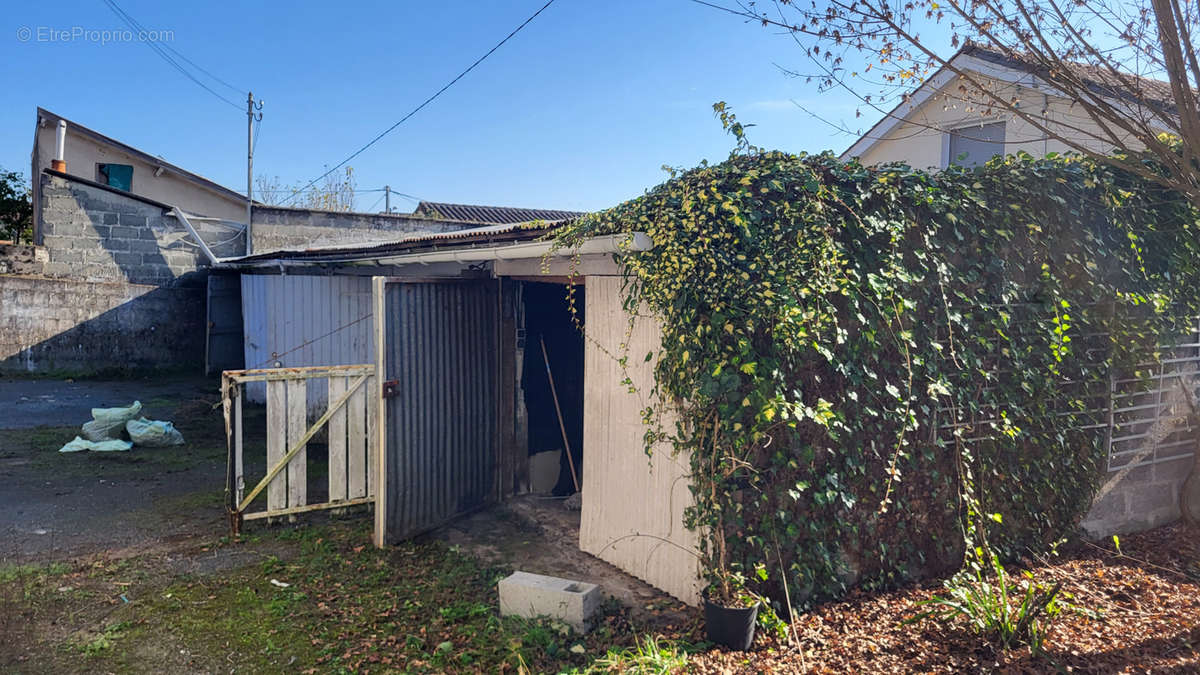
(1127, 72)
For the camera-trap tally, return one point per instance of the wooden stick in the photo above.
(562, 427)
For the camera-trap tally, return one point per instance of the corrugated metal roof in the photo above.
(410, 243)
(501, 215)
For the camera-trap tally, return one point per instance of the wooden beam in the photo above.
(305, 373)
(307, 508)
(381, 425)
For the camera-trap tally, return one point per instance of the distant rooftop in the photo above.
(493, 215)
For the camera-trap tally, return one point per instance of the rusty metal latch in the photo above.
(391, 388)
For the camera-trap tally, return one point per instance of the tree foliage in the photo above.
(849, 348)
(16, 207)
(1128, 68)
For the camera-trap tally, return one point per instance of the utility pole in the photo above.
(387, 199)
(251, 118)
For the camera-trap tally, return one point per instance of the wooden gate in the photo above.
(351, 418)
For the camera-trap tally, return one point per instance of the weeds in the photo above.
(649, 655)
(1004, 611)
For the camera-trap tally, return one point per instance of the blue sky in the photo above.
(578, 111)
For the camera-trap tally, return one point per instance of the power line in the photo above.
(159, 49)
(426, 102)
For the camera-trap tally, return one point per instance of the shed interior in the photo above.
(550, 399)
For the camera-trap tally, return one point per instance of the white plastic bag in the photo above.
(77, 445)
(111, 446)
(153, 434)
(80, 445)
(107, 423)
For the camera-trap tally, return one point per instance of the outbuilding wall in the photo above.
(279, 227)
(633, 504)
(118, 285)
(291, 321)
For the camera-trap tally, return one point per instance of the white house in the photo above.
(948, 119)
(92, 156)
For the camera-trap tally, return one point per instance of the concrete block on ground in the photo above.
(535, 595)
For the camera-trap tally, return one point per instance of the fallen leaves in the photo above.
(1145, 618)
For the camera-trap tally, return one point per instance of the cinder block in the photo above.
(534, 595)
(143, 245)
(121, 232)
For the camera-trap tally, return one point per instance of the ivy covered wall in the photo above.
(852, 350)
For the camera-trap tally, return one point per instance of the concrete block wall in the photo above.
(94, 233)
(1145, 498)
(73, 326)
(278, 228)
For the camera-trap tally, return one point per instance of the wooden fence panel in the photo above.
(337, 442)
(297, 424)
(356, 461)
(277, 442)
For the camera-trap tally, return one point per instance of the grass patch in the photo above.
(11, 573)
(649, 655)
(321, 597)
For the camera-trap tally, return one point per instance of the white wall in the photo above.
(631, 502)
(921, 139)
(83, 153)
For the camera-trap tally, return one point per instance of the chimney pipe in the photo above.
(59, 163)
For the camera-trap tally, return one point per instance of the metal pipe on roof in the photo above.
(59, 162)
(212, 259)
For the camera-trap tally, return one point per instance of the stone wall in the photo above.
(277, 228)
(22, 259)
(95, 233)
(68, 326)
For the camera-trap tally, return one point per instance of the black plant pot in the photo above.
(730, 626)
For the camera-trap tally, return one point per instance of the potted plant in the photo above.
(730, 609)
(730, 612)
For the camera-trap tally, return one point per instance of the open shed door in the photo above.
(437, 350)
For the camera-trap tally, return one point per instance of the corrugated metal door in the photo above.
(223, 342)
(440, 350)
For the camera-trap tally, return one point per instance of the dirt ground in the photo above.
(98, 549)
(56, 505)
(537, 534)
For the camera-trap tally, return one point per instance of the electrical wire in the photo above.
(417, 109)
(159, 49)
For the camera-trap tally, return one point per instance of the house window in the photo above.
(119, 176)
(975, 145)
